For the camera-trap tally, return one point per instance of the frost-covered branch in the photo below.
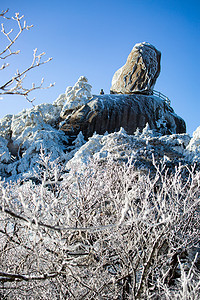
(15, 85)
(4, 277)
(105, 232)
(53, 227)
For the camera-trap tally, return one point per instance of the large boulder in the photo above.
(140, 72)
(110, 112)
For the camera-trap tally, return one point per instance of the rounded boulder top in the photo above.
(140, 72)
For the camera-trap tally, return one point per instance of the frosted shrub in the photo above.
(108, 232)
(77, 96)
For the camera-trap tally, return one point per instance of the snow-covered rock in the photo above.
(140, 72)
(117, 127)
(110, 112)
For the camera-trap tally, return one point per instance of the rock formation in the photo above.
(62, 127)
(140, 72)
(110, 112)
(23, 135)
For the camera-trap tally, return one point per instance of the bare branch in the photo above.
(3, 13)
(107, 232)
(15, 85)
(4, 277)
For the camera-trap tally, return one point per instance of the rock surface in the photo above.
(140, 72)
(111, 112)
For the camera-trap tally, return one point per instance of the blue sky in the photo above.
(94, 38)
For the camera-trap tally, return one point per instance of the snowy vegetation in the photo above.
(77, 95)
(108, 232)
(113, 217)
(194, 145)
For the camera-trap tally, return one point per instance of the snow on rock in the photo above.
(76, 96)
(110, 112)
(140, 72)
(127, 126)
(23, 135)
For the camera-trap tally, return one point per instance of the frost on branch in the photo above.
(15, 85)
(108, 230)
(140, 147)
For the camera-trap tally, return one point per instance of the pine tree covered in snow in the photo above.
(77, 95)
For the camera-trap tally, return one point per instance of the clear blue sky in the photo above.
(94, 38)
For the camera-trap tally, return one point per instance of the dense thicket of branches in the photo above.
(108, 232)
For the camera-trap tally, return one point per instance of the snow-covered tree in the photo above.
(79, 140)
(77, 95)
(106, 232)
(194, 145)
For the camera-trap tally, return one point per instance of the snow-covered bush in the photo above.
(194, 145)
(4, 153)
(105, 232)
(22, 136)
